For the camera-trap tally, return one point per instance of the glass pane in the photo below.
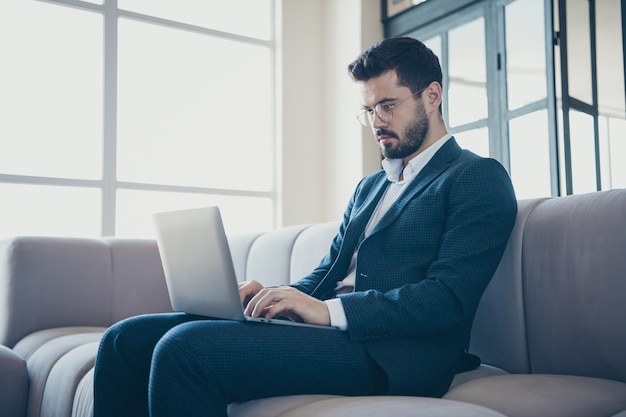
(244, 17)
(610, 62)
(525, 52)
(616, 150)
(46, 210)
(529, 149)
(583, 152)
(186, 119)
(467, 91)
(240, 214)
(579, 50)
(476, 140)
(50, 90)
(434, 44)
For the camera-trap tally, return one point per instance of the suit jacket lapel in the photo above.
(361, 218)
(352, 235)
(435, 167)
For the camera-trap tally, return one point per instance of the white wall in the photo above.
(324, 151)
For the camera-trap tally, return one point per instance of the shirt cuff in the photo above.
(337, 314)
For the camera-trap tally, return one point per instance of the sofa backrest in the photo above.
(574, 285)
(282, 256)
(499, 330)
(557, 303)
(138, 281)
(48, 282)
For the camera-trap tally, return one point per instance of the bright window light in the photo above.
(51, 91)
(240, 214)
(243, 17)
(191, 112)
(171, 105)
(49, 210)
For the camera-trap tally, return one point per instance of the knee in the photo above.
(124, 336)
(172, 347)
(174, 363)
(189, 344)
(111, 336)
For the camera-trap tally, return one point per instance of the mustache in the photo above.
(385, 132)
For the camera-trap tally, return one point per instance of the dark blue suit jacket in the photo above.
(422, 270)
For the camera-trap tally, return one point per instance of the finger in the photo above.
(253, 303)
(277, 307)
(247, 290)
(265, 299)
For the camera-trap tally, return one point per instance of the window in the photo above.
(494, 65)
(546, 101)
(111, 110)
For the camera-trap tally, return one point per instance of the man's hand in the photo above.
(286, 302)
(247, 290)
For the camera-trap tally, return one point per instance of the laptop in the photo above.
(198, 266)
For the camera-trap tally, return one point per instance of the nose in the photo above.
(377, 121)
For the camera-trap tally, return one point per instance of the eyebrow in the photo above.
(381, 101)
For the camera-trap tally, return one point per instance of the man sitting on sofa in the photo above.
(418, 244)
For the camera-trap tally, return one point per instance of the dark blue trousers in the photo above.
(176, 364)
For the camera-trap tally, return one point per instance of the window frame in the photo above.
(108, 184)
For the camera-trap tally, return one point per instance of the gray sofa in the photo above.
(550, 329)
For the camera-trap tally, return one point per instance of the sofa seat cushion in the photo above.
(57, 361)
(273, 407)
(544, 395)
(482, 371)
(389, 406)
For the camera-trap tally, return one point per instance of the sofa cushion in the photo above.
(544, 395)
(310, 247)
(50, 282)
(60, 394)
(138, 281)
(57, 361)
(481, 372)
(499, 330)
(574, 285)
(83, 399)
(273, 407)
(269, 258)
(389, 406)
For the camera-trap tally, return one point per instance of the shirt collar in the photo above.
(393, 167)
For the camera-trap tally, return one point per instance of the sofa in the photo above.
(550, 328)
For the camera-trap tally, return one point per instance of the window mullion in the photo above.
(109, 165)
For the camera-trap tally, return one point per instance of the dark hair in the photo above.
(415, 64)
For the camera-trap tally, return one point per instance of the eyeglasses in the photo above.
(384, 111)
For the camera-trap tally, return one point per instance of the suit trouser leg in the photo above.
(123, 363)
(201, 366)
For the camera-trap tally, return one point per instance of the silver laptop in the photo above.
(198, 266)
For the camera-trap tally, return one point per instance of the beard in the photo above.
(413, 138)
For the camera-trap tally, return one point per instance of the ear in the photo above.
(432, 97)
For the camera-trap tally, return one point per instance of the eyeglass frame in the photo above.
(366, 116)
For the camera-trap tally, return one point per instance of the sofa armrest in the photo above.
(50, 282)
(14, 383)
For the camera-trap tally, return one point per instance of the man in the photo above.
(418, 244)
